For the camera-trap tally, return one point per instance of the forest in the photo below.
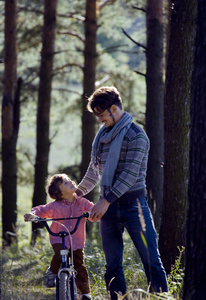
(54, 54)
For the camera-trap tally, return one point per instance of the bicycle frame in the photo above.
(66, 267)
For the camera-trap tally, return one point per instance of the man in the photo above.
(119, 158)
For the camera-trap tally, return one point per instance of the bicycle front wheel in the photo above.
(64, 287)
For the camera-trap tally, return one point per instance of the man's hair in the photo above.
(52, 186)
(103, 99)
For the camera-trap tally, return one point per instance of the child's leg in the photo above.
(57, 259)
(82, 277)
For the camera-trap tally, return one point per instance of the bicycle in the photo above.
(65, 279)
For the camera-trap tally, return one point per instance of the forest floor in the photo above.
(23, 267)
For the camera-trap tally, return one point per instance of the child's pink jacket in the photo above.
(64, 209)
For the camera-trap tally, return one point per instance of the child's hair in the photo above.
(52, 186)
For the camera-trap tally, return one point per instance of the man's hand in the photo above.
(99, 209)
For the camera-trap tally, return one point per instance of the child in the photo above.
(67, 204)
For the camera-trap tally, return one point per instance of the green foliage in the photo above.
(116, 60)
(175, 279)
(94, 260)
(23, 269)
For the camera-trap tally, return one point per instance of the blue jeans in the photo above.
(124, 213)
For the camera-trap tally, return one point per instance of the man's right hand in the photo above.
(99, 209)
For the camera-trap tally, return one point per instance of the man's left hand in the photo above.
(99, 209)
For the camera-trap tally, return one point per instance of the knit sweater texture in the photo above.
(130, 174)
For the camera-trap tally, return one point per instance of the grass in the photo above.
(23, 273)
(23, 267)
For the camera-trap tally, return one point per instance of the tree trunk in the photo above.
(155, 106)
(177, 119)
(10, 127)
(43, 109)
(90, 55)
(195, 275)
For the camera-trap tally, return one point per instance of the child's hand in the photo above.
(28, 217)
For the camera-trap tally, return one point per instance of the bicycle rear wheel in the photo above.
(64, 287)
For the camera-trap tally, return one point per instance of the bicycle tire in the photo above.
(64, 287)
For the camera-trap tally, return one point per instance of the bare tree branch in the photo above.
(54, 135)
(67, 90)
(140, 73)
(113, 48)
(41, 12)
(72, 33)
(62, 51)
(117, 48)
(66, 66)
(102, 81)
(72, 16)
(28, 156)
(139, 8)
(138, 44)
(104, 3)
(31, 45)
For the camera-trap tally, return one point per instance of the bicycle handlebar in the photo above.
(37, 219)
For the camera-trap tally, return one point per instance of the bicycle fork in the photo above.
(66, 268)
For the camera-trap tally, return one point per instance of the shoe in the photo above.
(86, 297)
(50, 278)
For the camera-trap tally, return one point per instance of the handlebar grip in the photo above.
(35, 219)
(86, 214)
